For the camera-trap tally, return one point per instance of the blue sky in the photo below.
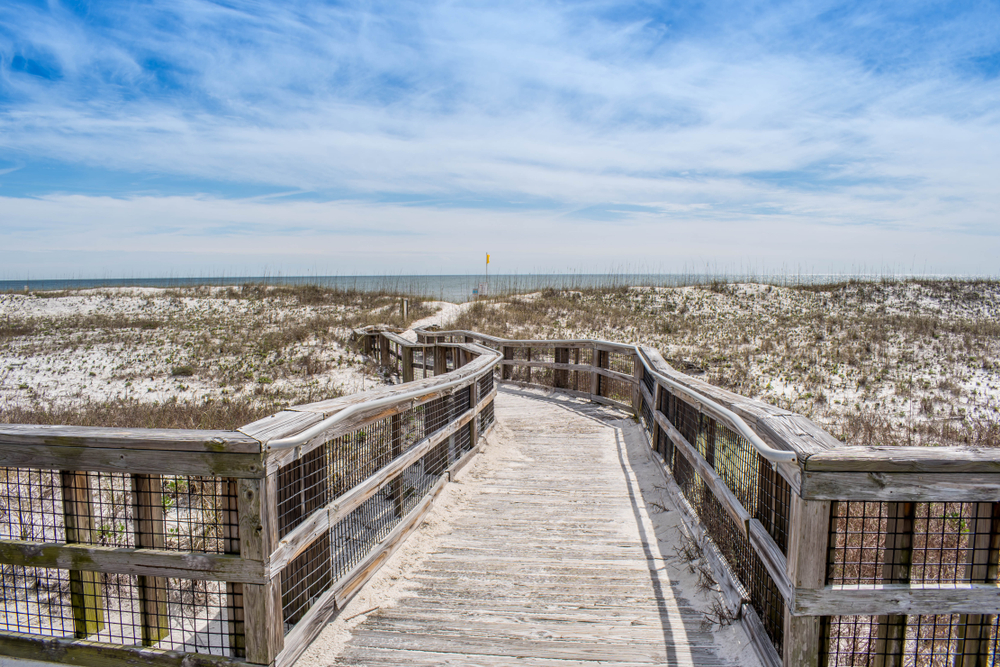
(142, 139)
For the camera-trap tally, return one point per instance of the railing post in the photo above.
(234, 592)
(383, 352)
(808, 542)
(440, 360)
(974, 638)
(560, 378)
(396, 487)
(636, 391)
(474, 422)
(656, 425)
(262, 609)
(598, 360)
(508, 354)
(147, 497)
(86, 594)
(407, 364)
(891, 641)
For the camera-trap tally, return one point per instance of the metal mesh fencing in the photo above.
(756, 584)
(178, 513)
(179, 614)
(486, 417)
(764, 493)
(648, 381)
(350, 540)
(882, 542)
(485, 385)
(920, 641)
(616, 389)
(334, 468)
(621, 362)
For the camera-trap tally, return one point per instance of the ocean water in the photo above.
(455, 288)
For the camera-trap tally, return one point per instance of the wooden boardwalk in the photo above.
(553, 562)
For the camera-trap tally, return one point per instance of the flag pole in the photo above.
(487, 273)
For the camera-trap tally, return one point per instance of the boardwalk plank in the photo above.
(545, 566)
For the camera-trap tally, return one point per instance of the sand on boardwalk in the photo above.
(392, 582)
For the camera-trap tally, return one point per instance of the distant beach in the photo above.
(453, 288)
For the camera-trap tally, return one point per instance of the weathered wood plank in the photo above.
(147, 501)
(765, 650)
(161, 439)
(901, 487)
(932, 460)
(899, 599)
(85, 653)
(86, 588)
(265, 626)
(145, 562)
(808, 539)
(145, 461)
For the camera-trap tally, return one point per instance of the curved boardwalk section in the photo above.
(553, 561)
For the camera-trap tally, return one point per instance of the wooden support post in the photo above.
(86, 591)
(396, 487)
(527, 369)
(576, 374)
(407, 364)
(984, 548)
(264, 620)
(808, 542)
(383, 352)
(595, 377)
(474, 422)
(440, 360)
(898, 555)
(508, 353)
(236, 624)
(636, 391)
(657, 447)
(560, 378)
(147, 496)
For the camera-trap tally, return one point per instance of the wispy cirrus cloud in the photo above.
(787, 118)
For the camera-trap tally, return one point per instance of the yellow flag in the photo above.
(487, 258)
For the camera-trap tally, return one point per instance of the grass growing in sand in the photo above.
(876, 362)
(890, 362)
(204, 357)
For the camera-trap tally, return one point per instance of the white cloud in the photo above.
(746, 131)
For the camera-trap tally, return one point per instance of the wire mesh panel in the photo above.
(616, 389)
(936, 541)
(731, 541)
(648, 381)
(928, 641)
(485, 385)
(752, 479)
(189, 510)
(486, 417)
(647, 420)
(191, 615)
(621, 362)
(31, 505)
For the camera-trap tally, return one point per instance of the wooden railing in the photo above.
(841, 556)
(198, 547)
(168, 547)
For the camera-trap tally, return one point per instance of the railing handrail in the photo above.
(732, 419)
(319, 428)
